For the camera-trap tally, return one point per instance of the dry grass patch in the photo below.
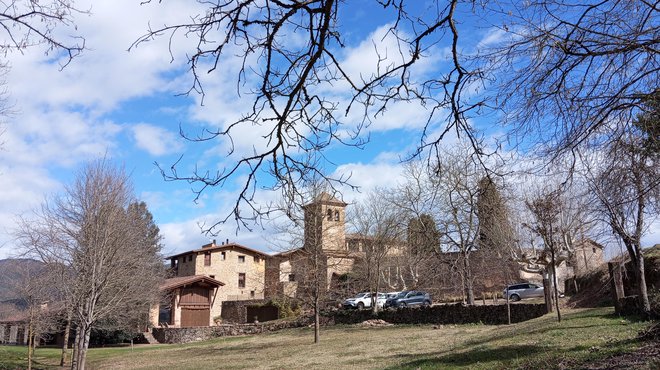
(583, 336)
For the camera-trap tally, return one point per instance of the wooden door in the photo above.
(195, 316)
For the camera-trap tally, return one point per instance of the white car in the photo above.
(363, 300)
(521, 291)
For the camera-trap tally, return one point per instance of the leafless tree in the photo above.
(42, 321)
(559, 216)
(92, 230)
(382, 230)
(292, 96)
(27, 23)
(564, 71)
(579, 70)
(417, 200)
(308, 260)
(457, 179)
(625, 181)
(546, 209)
(38, 299)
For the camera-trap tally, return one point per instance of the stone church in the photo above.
(327, 254)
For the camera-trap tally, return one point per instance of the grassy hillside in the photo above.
(587, 338)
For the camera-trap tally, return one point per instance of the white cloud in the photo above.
(155, 140)
(368, 176)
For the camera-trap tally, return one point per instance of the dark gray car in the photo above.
(523, 290)
(409, 298)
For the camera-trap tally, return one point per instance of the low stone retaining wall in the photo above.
(186, 335)
(236, 312)
(443, 314)
(440, 314)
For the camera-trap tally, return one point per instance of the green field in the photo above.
(583, 337)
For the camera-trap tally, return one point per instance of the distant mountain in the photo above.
(12, 271)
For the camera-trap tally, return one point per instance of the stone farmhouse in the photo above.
(586, 257)
(205, 279)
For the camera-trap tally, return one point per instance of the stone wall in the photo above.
(186, 335)
(443, 314)
(236, 311)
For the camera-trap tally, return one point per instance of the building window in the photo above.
(329, 213)
(183, 259)
(252, 293)
(336, 215)
(207, 259)
(212, 276)
(241, 259)
(256, 259)
(593, 250)
(223, 256)
(292, 277)
(190, 258)
(241, 280)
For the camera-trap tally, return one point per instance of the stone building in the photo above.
(333, 261)
(205, 278)
(586, 257)
(13, 332)
(325, 256)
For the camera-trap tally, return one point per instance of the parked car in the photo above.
(363, 300)
(520, 291)
(392, 294)
(409, 298)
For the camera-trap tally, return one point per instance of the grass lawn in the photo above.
(583, 336)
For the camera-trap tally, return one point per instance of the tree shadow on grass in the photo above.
(515, 356)
(473, 357)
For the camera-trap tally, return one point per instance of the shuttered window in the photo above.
(241, 280)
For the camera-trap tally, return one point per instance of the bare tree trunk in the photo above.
(508, 304)
(641, 283)
(65, 344)
(555, 292)
(616, 284)
(82, 343)
(402, 281)
(74, 355)
(547, 292)
(555, 282)
(30, 341)
(374, 297)
(317, 324)
(469, 289)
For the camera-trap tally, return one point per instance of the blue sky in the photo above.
(123, 105)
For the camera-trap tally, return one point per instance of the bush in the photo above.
(104, 337)
(654, 300)
(287, 308)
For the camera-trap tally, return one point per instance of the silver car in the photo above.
(520, 291)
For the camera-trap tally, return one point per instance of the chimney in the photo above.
(227, 240)
(213, 245)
